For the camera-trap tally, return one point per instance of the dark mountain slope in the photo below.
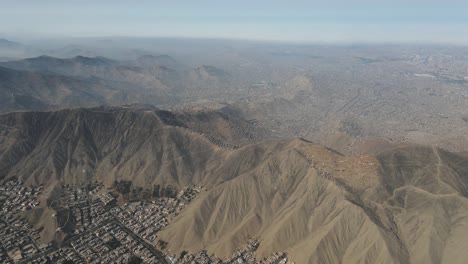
(151, 79)
(136, 143)
(5, 43)
(20, 90)
(87, 67)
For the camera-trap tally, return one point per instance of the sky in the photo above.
(296, 21)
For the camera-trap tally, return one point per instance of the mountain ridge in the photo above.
(295, 196)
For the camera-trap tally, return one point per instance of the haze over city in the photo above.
(293, 21)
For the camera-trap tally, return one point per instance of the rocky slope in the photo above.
(138, 143)
(407, 205)
(404, 205)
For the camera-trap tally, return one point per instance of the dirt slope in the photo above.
(404, 205)
(322, 207)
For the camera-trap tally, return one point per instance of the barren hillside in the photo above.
(405, 205)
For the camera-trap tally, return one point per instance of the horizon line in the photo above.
(234, 39)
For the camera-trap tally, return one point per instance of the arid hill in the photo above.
(46, 82)
(407, 205)
(138, 143)
(22, 90)
(404, 205)
(81, 66)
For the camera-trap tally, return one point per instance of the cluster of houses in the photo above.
(111, 244)
(88, 215)
(244, 255)
(16, 235)
(63, 255)
(108, 243)
(101, 232)
(15, 197)
(146, 219)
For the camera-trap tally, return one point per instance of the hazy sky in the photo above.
(310, 21)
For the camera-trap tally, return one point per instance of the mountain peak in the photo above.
(93, 60)
(152, 60)
(5, 43)
(210, 71)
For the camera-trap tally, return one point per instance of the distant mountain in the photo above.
(209, 72)
(5, 43)
(143, 70)
(153, 60)
(69, 51)
(152, 78)
(100, 67)
(47, 82)
(153, 72)
(78, 65)
(21, 90)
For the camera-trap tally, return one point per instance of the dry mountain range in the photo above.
(49, 83)
(405, 205)
(354, 100)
